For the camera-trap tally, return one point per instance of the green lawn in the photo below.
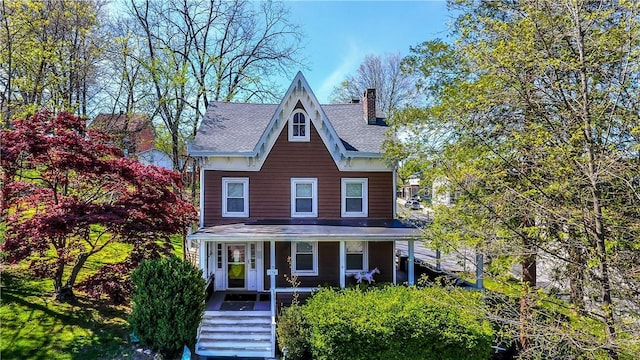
(35, 326)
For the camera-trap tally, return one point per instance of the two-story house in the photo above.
(290, 189)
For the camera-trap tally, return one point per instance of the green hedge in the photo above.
(395, 322)
(168, 304)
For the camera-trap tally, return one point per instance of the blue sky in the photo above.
(339, 34)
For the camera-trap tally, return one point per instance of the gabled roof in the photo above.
(136, 127)
(250, 130)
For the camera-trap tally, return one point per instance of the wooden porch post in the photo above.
(410, 266)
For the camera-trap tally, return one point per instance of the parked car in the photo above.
(413, 204)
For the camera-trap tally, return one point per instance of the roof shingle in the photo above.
(237, 127)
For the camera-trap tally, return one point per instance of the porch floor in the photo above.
(238, 301)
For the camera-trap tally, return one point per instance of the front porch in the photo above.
(239, 301)
(249, 267)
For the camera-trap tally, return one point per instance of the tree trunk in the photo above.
(82, 258)
(529, 281)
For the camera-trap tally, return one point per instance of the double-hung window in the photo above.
(304, 259)
(356, 253)
(299, 126)
(304, 197)
(235, 197)
(355, 197)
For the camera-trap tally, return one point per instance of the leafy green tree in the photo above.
(533, 121)
(48, 56)
(168, 304)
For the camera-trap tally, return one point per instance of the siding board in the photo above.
(380, 256)
(270, 188)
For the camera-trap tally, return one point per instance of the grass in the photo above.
(35, 326)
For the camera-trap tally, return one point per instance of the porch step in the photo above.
(235, 334)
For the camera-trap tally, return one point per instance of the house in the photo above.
(295, 189)
(134, 134)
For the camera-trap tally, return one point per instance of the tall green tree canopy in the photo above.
(533, 119)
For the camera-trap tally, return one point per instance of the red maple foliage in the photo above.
(67, 195)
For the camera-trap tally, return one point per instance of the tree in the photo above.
(394, 88)
(195, 52)
(535, 109)
(68, 195)
(48, 55)
(168, 304)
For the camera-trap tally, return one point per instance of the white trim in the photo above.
(343, 265)
(395, 197)
(314, 253)
(314, 197)
(395, 267)
(364, 182)
(365, 258)
(307, 127)
(245, 188)
(202, 194)
(203, 260)
(251, 163)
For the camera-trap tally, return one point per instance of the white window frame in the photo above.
(233, 180)
(314, 253)
(365, 258)
(365, 197)
(307, 127)
(314, 197)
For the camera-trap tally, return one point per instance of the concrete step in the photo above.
(216, 334)
(232, 352)
(235, 333)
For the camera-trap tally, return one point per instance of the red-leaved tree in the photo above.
(68, 194)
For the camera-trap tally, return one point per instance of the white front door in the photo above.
(236, 266)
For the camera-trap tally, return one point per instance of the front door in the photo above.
(236, 266)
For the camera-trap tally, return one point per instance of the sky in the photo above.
(339, 34)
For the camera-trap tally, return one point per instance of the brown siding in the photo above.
(380, 256)
(328, 266)
(270, 188)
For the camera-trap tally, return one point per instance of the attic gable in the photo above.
(357, 148)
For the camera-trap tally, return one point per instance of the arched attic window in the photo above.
(299, 126)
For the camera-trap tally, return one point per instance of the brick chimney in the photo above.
(369, 105)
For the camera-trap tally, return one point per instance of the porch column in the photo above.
(395, 268)
(272, 291)
(342, 264)
(410, 266)
(203, 259)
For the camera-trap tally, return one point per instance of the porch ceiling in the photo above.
(288, 230)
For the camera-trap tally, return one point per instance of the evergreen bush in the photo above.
(168, 304)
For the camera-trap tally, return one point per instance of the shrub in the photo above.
(293, 333)
(397, 323)
(168, 304)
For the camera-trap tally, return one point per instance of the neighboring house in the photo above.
(295, 189)
(155, 157)
(412, 188)
(134, 134)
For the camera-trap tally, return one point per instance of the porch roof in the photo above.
(311, 230)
